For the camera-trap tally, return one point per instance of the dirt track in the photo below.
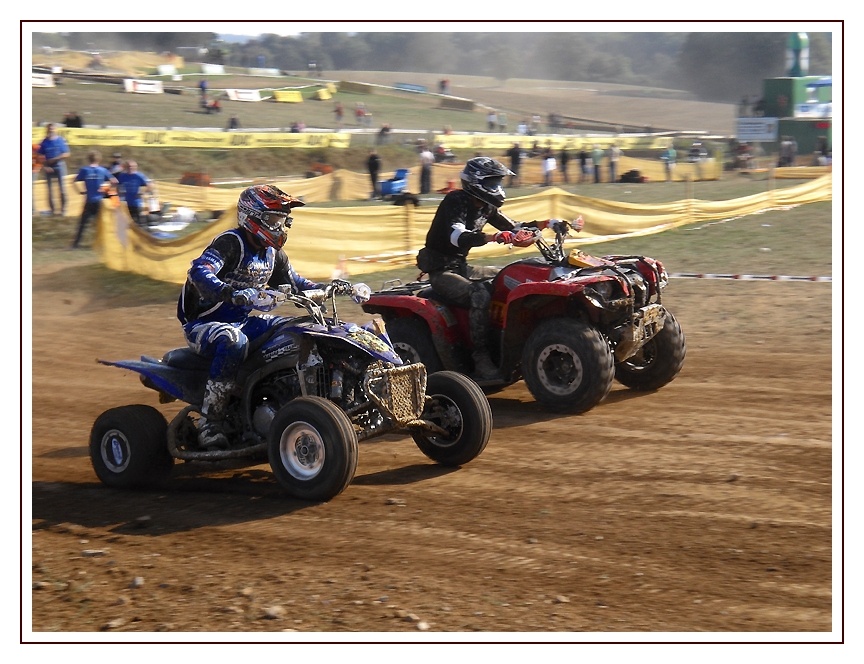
(704, 507)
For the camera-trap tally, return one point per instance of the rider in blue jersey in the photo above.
(216, 302)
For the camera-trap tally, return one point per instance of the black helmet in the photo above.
(482, 178)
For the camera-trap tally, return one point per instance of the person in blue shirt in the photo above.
(54, 151)
(132, 181)
(95, 179)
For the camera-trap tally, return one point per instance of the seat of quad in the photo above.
(428, 294)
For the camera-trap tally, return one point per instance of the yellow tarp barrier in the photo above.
(290, 96)
(370, 238)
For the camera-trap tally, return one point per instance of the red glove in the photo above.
(521, 238)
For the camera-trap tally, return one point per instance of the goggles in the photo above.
(273, 221)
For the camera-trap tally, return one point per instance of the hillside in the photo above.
(602, 102)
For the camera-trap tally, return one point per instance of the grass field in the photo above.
(102, 104)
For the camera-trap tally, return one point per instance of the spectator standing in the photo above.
(426, 161)
(131, 182)
(614, 157)
(339, 114)
(564, 158)
(491, 121)
(73, 120)
(37, 168)
(669, 157)
(373, 165)
(54, 151)
(95, 177)
(549, 166)
(535, 124)
(583, 165)
(696, 156)
(515, 154)
(522, 128)
(202, 87)
(383, 134)
(502, 122)
(597, 159)
(233, 123)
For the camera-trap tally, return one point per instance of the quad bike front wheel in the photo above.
(457, 404)
(129, 447)
(312, 449)
(657, 362)
(567, 365)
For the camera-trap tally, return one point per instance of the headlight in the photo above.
(604, 289)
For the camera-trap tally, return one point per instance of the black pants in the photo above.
(91, 210)
(465, 287)
(425, 179)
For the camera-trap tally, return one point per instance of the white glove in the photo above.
(361, 293)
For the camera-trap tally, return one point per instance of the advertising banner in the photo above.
(757, 129)
(178, 138)
(145, 87)
(243, 95)
(43, 81)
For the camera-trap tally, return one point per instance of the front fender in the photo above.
(438, 317)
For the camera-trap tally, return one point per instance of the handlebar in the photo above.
(312, 300)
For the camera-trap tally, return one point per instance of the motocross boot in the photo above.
(211, 435)
(484, 368)
(478, 323)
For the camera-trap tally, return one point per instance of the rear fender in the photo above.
(185, 385)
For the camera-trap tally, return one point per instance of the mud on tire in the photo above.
(567, 365)
(657, 362)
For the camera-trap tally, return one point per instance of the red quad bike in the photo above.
(567, 323)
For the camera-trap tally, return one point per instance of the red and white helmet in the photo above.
(265, 211)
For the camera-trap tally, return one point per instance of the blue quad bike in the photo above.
(305, 396)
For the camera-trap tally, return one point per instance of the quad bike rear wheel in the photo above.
(567, 365)
(657, 362)
(455, 403)
(129, 447)
(413, 342)
(312, 449)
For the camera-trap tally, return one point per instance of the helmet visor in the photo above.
(492, 183)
